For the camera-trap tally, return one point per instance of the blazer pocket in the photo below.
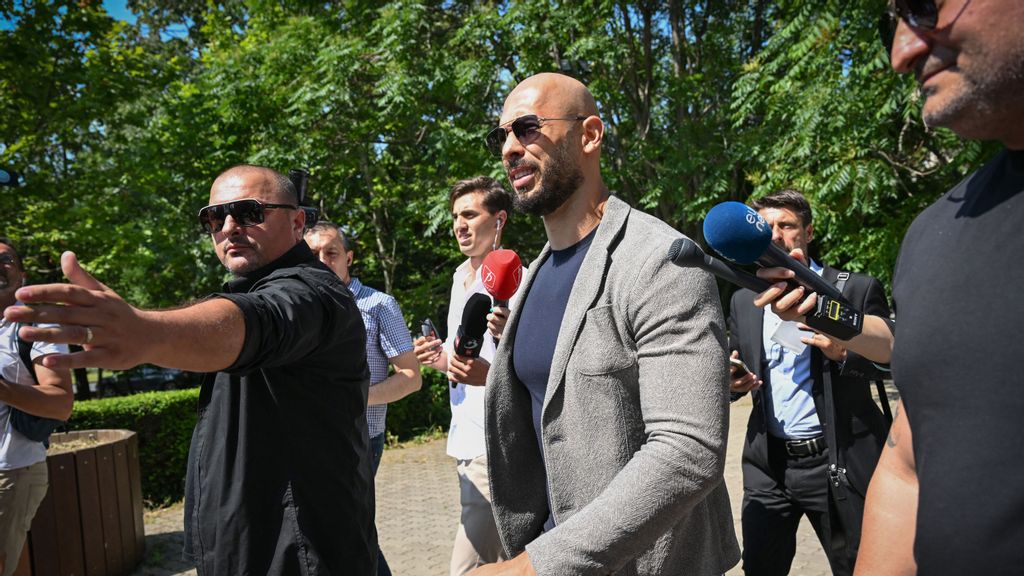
(599, 349)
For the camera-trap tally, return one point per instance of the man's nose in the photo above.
(230, 225)
(512, 148)
(908, 46)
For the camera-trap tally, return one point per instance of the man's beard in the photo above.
(986, 92)
(560, 181)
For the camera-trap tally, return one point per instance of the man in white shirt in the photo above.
(480, 207)
(23, 477)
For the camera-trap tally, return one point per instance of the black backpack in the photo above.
(35, 428)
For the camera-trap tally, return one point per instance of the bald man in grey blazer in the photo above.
(607, 401)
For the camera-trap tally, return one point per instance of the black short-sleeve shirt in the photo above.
(957, 364)
(279, 478)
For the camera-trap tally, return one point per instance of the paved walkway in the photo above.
(417, 513)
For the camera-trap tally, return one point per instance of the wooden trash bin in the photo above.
(90, 522)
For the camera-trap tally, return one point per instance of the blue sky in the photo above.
(116, 8)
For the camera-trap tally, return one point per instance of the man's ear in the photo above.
(593, 134)
(349, 257)
(299, 222)
(810, 233)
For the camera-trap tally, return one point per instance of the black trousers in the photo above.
(776, 494)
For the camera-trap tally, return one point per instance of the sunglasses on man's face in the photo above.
(919, 14)
(525, 128)
(248, 212)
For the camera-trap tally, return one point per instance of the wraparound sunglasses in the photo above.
(247, 212)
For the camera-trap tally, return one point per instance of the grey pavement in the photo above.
(418, 511)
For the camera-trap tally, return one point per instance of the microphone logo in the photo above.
(756, 220)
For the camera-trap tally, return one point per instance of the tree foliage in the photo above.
(120, 127)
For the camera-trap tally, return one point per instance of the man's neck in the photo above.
(475, 262)
(580, 214)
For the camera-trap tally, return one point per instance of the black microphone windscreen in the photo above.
(474, 315)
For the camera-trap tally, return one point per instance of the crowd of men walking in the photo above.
(589, 434)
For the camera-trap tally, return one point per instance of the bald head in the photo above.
(561, 94)
(274, 186)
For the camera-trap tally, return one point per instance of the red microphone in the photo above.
(502, 272)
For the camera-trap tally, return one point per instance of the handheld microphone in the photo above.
(685, 252)
(833, 317)
(470, 336)
(502, 272)
(741, 235)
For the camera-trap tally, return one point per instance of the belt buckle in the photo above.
(796, 447)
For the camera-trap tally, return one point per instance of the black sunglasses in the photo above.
(525, 128)
(247, 212)
(920, 14)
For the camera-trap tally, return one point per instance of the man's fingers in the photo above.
(768, 296)
(775, 274)
(60, 293)
(52, 314)
(88, 358)
(69, 334)
(74, 272)
(808, 304)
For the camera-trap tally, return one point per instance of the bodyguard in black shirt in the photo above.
(947, 497)
(279, 477)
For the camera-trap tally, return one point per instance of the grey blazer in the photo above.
(634, 423)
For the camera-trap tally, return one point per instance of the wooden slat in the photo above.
(108, 508)
(124, 503)
(64, 491)
(135, 477)
(43, 536)
(89, 504)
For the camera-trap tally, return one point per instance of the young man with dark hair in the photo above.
(35, 390)
(480, 209)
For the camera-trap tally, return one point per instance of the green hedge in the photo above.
(164, 423)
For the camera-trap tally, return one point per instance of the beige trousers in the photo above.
(476, 542)
(21, 491)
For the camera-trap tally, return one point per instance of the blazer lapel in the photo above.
(586, 289)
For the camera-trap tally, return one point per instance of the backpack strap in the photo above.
(25, 352)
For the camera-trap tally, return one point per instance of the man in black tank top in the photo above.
(947, 496)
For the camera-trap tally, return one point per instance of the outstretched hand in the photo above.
(88, 313)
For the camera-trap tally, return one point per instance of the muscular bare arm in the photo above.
(890, 514)
(403, 382)
(202, 337)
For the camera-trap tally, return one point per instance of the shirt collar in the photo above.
(355, 285)
(299, 254)
(817, 268)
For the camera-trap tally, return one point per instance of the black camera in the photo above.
(300, 179)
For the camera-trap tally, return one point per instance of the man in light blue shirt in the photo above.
(388, 341)
(788, 453)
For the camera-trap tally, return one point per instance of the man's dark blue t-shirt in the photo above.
(541, 318)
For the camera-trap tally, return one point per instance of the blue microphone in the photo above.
(741, 235)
